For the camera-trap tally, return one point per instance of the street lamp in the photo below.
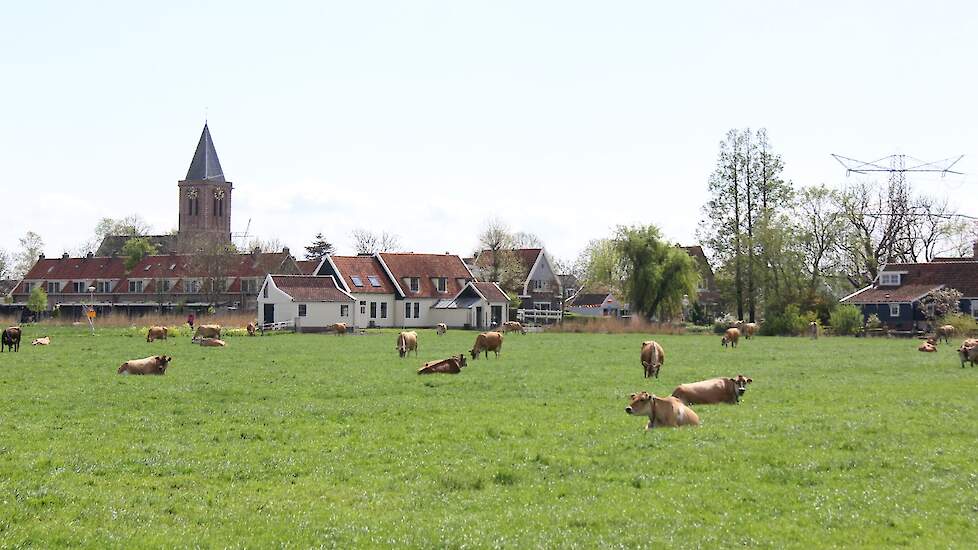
(91, 308)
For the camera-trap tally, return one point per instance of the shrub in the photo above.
(873, 322)
(789, 322)
(847, 320)
(965, 325)
(721, 324)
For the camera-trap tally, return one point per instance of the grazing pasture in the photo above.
(309, 440)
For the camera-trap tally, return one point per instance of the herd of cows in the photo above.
(672, 411)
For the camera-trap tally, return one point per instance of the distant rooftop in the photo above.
(205, 165)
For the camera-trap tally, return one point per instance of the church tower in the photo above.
(205, 200)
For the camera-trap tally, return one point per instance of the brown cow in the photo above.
(945, 332)
(452, 365)
(513, 326)
(750, 329)
(715, 390)
(487, 341)
(407, 342)
(42, 341)
(212, 343)
(930, 346)
(11, 339)
(968, 352)
(652, 358)
(156, 333)
(207, 331)
(441, 328)
(730, 337)
(663, 412)
(338, 328)
(150, 365)
(252, 328)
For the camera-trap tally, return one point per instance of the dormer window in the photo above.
(414, 283)
(890, 279)
(135, 286)
(441, 284)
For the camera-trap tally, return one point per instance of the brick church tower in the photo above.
(205, 200)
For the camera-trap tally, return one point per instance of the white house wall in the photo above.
(322, 314)
(363, 319)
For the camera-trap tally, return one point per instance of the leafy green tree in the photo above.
(847, 320)
(38, 300)
(601, 266)
(657, 274)
(135, 250)
(319, 248)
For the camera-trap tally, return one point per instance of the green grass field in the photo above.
(314, 440)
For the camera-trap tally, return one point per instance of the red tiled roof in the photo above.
(921, 278)
(307, 267)
(309, 288)
(96, 267)
(426, 267)
(526, 256)
(363, 267)
(491, 292)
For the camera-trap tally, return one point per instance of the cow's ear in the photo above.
(749, 380)
(632, 396)
(734, 380)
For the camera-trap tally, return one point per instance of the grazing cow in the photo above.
(212, 343)
(207, 331)
(750, 329)
(513, 326)
(930, 346)
(338, 328)
(150, 365)
(407, 342)
(441, 328)
(10, 339)
(43, 341)
(156, 333)
(452, 365)
(663, 412)
(652, 358)
(732, 336)
(715, 390)
(813, 330)
(252, 328)
(945, 332)
(968, 352)
(487, 341)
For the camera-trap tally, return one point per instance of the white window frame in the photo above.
(417, 310)
(82, 287)
(536, 285)
(892, 306)
(414, 283)
(441, 284)
(363, 307)
(28, 287)
(889, 279)
(303, 310)
(54, 287)
(383, 310)
(536, 306)
(373, 310)
(103, 287)
(135, 286)
(407, 310)
(344, 310)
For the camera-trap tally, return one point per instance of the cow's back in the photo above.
(715, 390)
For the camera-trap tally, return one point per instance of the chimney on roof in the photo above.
(65, 256)
(285, 250)
(90, 254)
(40, 256)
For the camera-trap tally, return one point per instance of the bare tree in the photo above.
(273, 244)
(523, 239)
(130, 226)
(31, 246)
(6, 266)
(368, 242)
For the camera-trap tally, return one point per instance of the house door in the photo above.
(496, 313)
(269, 313)
(478, 317)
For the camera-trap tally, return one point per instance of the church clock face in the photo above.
(219, 193)
(192, 193)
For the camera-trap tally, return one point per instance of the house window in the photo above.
(537, 285)
(264, 291)
(894, 310)
(417, 310)
(890, 279)
(54, 287)
(164, 285)
(135, 286)
(357, 282)
(541, 305)
(374, 281)
(79, 287)
(193, 287)
(441, 284)
(302, 310)
(344, 310)
(383, 310)
(363, 307)
(248, 286)
(28, 287)
(373, 310)
(414, 283)
(103, 287)
(407, 310)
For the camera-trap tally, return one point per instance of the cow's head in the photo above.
(474, 353)
(163, 361)
(461, 360)
(640, 404)
(740, 384)
(723, 341)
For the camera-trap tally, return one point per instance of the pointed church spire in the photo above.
(205, 165)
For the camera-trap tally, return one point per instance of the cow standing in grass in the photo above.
(945, 333)
(338, 328)
(207, 331)
(10, 339)
(653, 358)
(731, 337)
(968, 352)
(407, 342)
(486, 342)
(156, 333)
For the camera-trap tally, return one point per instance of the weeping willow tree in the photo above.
(657, 275)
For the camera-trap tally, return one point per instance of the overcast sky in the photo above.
(426, 118)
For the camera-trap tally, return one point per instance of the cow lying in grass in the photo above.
(663, 412)
(715, 390)
(212, 343)
(150, 365)
(930, 346)
(42, 341)
(452, 365)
